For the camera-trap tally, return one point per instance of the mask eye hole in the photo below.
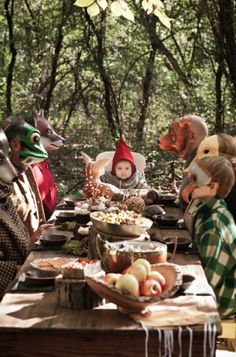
(35, 138)
(193, 179)
(206, 151)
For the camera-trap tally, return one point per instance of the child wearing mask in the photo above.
(214, 230)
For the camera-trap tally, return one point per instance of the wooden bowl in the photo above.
(117, 256)
(35, 277)
(49, 240)
(128, 230)
(130, 303)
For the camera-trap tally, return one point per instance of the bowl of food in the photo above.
(127, 302)
(82, 267)
(36, 277)
(117, 256)
(71, 201)
(167, 220)
(49, 240)
(121, 223)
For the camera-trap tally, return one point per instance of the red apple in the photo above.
(111, 278)
(128, 283)
(138, 270)
(145, 263)
(150, 288)
(155, 275)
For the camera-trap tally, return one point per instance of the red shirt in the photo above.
(47, 187)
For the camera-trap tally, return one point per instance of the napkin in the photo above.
(181, 311)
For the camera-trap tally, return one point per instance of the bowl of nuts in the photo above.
(121, 222)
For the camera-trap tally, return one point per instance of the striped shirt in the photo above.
(215, 238)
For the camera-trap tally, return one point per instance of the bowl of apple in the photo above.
(139, 286)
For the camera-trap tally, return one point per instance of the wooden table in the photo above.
(32, 324)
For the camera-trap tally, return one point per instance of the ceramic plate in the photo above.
(50, 264)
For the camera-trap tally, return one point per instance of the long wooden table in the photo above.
(33, 324)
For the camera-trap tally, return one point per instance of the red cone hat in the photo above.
(122, 153)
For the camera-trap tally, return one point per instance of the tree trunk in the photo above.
(9, 17)
(219, 106)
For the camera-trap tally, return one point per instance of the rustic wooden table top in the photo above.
(33, 324)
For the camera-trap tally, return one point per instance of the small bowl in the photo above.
(187, 281)
(167, 220)
(129, 303)
(53, 240)
(117, 256)
(128, 230)
(40, 278)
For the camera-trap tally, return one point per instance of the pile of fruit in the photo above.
(137, 280)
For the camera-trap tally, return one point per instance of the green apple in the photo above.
(145, 263)
(129, 284)
(139, 271)
(111, 278)
(155, 275)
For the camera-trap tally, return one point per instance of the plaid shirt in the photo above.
(215, 238)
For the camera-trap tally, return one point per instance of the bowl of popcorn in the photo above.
(121, 222)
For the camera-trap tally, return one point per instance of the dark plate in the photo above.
(183, 243)
(71, 201)
(167, 220)
(166, 199)
(71, 216)
(35, 277)
(53, 239)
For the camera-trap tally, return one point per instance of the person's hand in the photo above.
(35, 236)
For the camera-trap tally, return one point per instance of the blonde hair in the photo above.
(222, 172)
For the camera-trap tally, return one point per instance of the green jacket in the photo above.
(215, 238)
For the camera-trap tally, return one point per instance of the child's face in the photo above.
(123, 170)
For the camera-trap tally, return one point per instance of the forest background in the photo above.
(98, 77)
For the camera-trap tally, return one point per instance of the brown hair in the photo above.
(227, 145)
(222, 172)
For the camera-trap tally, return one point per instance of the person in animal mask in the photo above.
(214, 231)
(26, 150)
(221, 144)
(14, 237)
(183, 137)
(42, 173)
